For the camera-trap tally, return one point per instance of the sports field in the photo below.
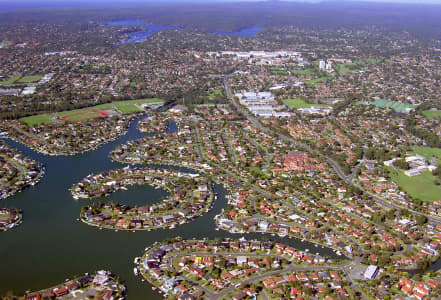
(428, 152)
(84, 115)
(420, 187)
(10, 80)
(29, 79)
(214, 93)
(122, 107)
(297, 103)
(356, 66)
(303, 72)
(22, 79)
(432, 114)
(397, 106)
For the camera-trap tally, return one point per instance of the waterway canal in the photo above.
(52, 245)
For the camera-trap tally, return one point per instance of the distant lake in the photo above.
(141, 36)
(248, 32)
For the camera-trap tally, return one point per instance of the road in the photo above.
(266, 155)
(198, 143)
(227, 141)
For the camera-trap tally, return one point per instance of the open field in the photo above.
(11, 80)
(279, 73)
(428, 152)
(303, 72)
(397, 106)
(282, 71)
(356, 66)
(29, 79)
(257, 171)
(420, 187)
(86, 115)
(38, 119)
(123, 107)
(297, 103)
(214, 93)
(432, 114)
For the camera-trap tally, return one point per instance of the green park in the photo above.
(122, 107)
(297, 103)
(420, 187)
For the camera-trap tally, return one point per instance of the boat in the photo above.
(135, 271)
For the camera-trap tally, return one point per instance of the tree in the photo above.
(421, 220)
(401, 164)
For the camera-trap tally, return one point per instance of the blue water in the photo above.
(248, 32)
(140, 36)
(52, 244)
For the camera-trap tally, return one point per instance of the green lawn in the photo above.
(279, 73)
(365, 62)
(297, 103)
(303, 72)
(11, 80)
(428, 152)
(420, 187)
(317, 80)
(257, 171)
(356, 66)
(29, 79)
(37, 119)
(432, 114)
(397, 106)
(214, 93)
(124, 107)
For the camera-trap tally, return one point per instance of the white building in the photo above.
(371, 272)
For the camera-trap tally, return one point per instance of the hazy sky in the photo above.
(181, 1)
(20, 4)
